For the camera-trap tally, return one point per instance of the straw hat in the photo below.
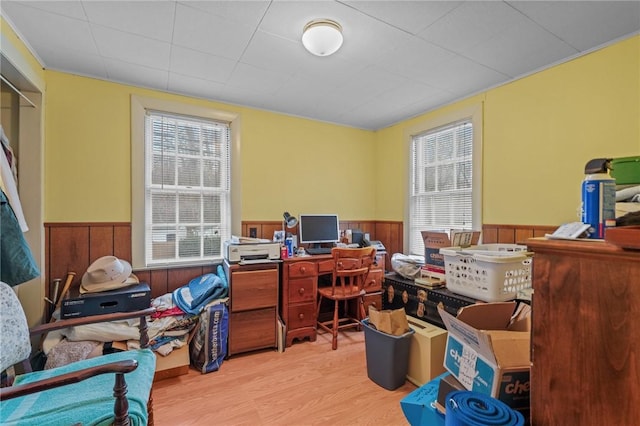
(107, 273)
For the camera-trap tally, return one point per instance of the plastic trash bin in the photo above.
(387, 356)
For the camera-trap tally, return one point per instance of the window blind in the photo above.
(440, 181)
(187, 188)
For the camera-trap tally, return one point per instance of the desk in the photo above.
(299, 289)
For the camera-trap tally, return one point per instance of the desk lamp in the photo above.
(289, 221)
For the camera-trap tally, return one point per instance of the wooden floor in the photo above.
(308, 384)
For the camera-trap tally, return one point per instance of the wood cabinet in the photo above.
(299, 292)
(253, 306)
(585, 355)
(299, 287)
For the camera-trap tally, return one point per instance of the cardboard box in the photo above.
(426, 353)
(435, 240)
(488, 350)
(172, 365)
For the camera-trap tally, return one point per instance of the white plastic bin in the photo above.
(490, 272)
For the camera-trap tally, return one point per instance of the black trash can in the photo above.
(387, 356)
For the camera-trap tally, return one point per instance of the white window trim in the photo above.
(473, 113)
(139, 106)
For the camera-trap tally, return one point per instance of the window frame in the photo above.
(139, 107)
(473, 113)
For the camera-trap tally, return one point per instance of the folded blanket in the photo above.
(194, 296)
(89, 402)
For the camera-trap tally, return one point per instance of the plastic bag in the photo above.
(209, 344)
(407, 265)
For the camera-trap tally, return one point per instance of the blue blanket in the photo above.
(194, 296)
(89, 402)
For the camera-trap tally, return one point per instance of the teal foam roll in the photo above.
(467, 408)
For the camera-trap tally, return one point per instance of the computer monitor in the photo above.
(318, 228)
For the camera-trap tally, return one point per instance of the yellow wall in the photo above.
(88, 157)
(538, 133)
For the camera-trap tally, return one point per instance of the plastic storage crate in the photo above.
(490, 272)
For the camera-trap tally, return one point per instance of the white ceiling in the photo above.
(399, 58)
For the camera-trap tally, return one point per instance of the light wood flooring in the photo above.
(308, 384)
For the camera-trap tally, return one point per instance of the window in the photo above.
(444, 175)
(183, 195)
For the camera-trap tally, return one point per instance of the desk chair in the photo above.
(82, 392)
(350, 271)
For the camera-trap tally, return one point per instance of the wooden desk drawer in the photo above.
(254, 289)
(302, 316)
(374, 281)
(325, 267)
(302, 290)
(252, 330)
(302, 269)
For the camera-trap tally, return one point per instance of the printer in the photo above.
(251, 252)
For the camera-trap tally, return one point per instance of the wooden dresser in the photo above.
(253, 306)
(586, 334)
(299, 292)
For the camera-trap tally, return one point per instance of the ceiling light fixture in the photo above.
(322, 37)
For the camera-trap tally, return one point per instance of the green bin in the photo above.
(387, 356)
(626, 170)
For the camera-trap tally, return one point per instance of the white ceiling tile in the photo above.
(411, 16)
(470, 24)
(132, 48)
(249, 52)
(533, 46)
(413, 58)
(211, 34)
(257, 79)
(196, 87)
(74, 62)
(369, 83)
(243, 12)
(461, 75)
(68, 8)
(200, 65)
(607, 20)
(273, 52)
(31, 22)
(152, 19)
(137, 75)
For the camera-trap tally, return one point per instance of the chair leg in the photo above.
(336, 324)
(318, 306)
(150, 421)
(121, 406)
(363, 312)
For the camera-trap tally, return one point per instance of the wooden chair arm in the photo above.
(74, 322)
(121, 367)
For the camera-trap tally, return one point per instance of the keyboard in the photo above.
(318, 250)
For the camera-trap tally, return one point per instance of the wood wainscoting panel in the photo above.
(74, 246)
(68, 251)
(513, 234)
